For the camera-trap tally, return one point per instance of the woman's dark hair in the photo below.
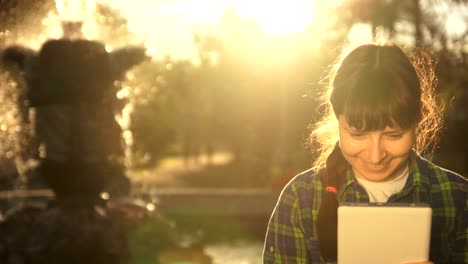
(374, 86)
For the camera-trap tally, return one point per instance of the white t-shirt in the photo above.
(380, 191)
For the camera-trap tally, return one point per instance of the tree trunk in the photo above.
(418, 37)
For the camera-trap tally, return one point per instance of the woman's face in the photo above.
(377, 155)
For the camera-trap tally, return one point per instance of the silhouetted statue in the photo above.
(71, 88)
(71, 103)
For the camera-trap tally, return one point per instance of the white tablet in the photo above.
(383, 233)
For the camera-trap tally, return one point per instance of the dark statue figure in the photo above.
(70, 101)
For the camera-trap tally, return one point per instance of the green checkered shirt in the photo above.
(292, 236)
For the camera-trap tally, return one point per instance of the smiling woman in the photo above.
(382, 101)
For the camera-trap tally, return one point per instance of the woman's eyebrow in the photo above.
(394, 129)
(385, 131)
(351, 129)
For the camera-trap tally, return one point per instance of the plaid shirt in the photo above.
(292, 236)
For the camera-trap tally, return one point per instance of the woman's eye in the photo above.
(357, 135)
(395, 136)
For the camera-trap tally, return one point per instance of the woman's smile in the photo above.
(378, 155)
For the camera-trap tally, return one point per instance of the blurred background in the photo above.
(220, 112)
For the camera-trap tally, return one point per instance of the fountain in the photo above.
(70, 104)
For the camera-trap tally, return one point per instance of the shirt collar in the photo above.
(415, 177)
(347, 181)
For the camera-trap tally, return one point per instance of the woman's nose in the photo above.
(376, 151)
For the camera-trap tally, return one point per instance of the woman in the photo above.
(381, 115)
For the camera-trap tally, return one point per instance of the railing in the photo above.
(224, 201)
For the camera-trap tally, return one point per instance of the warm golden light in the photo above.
(167, 27)
(278, 17)
(75, 10)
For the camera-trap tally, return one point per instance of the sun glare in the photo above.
(173, 22)
(277, 17)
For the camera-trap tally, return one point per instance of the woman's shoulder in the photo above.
(440, 175)
(301, 191)
(305, 181)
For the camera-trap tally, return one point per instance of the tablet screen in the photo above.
(383, 233)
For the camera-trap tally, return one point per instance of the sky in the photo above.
(167, 26)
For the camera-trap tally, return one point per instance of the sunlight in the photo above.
(75, 10)
(455, 25)
(277, 17)
(360, 33)
(173, 22)
(66, 10)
